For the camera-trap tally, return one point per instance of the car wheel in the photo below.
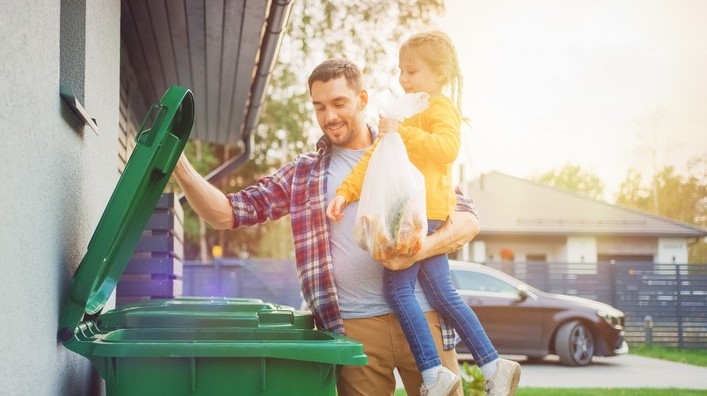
(574, 344)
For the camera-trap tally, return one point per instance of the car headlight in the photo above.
(613, 320)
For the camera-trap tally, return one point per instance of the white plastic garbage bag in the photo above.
(391, 220)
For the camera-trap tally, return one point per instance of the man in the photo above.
(342, 285)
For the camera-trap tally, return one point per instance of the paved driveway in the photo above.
(626, 371)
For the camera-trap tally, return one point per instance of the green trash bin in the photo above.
(205, 312)
(191, 345)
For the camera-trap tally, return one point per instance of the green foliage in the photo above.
(573, 178)
(680, 197)
(473, 381)
(367, 32)
(632, 193)
(698, 252)
(203, 156)
(670, 194)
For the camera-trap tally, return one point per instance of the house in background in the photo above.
(525, 221)
(63, 154)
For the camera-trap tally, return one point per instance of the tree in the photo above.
(203, 157)
(670, 194)
(632, 193)
(572, 177)
(367, 32)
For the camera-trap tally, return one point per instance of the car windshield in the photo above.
(475, 281)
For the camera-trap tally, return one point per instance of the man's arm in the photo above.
(447, 239)
(208, 201)
(450, 237)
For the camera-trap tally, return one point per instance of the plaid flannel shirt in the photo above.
(299, 189)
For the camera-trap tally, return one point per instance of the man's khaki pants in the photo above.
(384, 343)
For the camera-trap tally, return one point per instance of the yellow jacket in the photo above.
(432, 141)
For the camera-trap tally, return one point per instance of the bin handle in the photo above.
(273, 319)
(144, 136)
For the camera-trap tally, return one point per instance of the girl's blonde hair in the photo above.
(436, 48)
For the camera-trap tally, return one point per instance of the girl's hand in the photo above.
(335, 208)
(386, 125)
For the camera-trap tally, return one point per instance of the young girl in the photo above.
(428, 63)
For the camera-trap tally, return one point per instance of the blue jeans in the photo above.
(437, 284)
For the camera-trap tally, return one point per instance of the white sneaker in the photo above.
(446, 384)
(504, 381)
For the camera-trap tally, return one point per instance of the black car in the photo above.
(522, 320)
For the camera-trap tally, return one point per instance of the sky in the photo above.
(608, 85)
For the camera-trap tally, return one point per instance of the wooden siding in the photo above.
(210, 47)
(132, 109)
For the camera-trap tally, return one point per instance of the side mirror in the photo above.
(522, 293)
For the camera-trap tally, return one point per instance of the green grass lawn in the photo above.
(695, 357)
(598, 392)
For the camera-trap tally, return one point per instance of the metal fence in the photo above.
(664, 304)
(273, 281)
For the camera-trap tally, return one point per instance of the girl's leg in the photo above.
(399, 290)
(437, 284)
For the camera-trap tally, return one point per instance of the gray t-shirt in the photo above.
(358, 278)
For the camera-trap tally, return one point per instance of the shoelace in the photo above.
(423, 391)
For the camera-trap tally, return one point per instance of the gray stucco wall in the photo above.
(56, 182)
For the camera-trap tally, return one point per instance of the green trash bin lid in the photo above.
(159, 143)
(205, 312)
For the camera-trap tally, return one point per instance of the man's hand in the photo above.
(335, 208)
(448, 238)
